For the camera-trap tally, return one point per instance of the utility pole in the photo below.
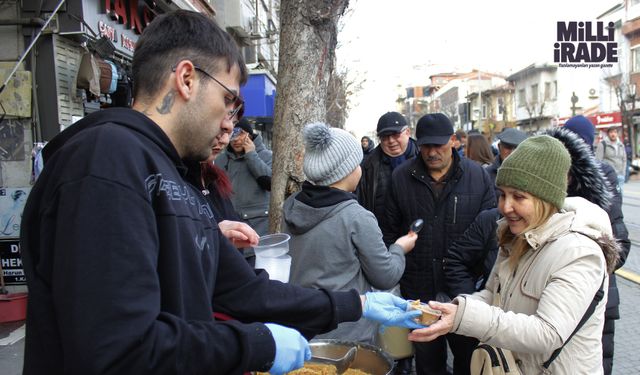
(631, 133)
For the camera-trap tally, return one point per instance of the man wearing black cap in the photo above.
(395, 147)
(509, 138)
(447, 192)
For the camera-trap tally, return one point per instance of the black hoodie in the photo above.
(125, 265)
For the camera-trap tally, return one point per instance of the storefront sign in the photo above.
(11, 262)
(133, 15)
(12, 202)
(600, 120)
(120, 21)
(128, 43)
(108, 32)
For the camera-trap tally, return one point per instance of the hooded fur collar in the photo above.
(586, 177)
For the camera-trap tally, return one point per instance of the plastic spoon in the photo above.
(342, 364)
(416, 226)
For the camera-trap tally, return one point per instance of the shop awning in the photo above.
(599, 120)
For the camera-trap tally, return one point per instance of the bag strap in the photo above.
(592, 307)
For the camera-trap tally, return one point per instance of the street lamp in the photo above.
(574, 101)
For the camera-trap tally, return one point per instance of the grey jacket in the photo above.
(339, 247)
(250, 201)
(542, 301)
(612, 153)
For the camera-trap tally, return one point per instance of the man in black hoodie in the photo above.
(124, 261)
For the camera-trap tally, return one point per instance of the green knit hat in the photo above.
(539, 166)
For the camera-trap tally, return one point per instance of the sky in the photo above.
(393, 44)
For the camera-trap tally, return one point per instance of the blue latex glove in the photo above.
(292, 349)
(389, 310)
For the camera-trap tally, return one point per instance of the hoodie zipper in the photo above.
(455, 208)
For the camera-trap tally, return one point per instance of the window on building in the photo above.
(522, 97)
(500, 106)
(635, 59)
(484, 111)
(534, 93)
(409, 92)
(547, 90)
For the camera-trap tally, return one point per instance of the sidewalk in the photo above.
(11, 348)
(627, 338)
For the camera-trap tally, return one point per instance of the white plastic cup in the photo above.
(271, 256)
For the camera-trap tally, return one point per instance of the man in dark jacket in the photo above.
(447, 192)
(395, 147)
(470, 259)
(124, 261)
(597, 182)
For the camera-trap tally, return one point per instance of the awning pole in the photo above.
(33, 42)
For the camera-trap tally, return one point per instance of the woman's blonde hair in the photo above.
(517, 243)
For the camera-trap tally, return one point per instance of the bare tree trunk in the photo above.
(308, 37)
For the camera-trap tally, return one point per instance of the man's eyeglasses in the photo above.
(394, 136)
(234, 101)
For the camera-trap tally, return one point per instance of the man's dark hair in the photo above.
(180, 35)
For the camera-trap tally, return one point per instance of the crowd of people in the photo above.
(140, 261)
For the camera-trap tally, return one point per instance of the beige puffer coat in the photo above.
(544, 299)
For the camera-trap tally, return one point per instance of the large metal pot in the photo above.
(369, 358)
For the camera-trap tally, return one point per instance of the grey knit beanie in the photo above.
(331, 154)
(539, 166)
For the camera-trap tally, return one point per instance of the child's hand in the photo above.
(407, 242)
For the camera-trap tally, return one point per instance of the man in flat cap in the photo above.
(447, 192)
(509, 138)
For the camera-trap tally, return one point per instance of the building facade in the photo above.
(80, 63)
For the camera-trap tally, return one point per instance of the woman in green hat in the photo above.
(555, 254)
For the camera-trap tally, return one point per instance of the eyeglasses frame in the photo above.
(237, 100)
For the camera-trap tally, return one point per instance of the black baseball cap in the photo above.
(391, 123)
(434, 129)
(245, 125)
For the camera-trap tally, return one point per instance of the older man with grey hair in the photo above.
(395, 147)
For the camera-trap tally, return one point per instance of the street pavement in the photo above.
(627, 338)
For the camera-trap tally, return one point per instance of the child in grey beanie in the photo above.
(335, 243)
(330, 155)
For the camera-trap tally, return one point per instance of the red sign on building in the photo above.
(600, 120)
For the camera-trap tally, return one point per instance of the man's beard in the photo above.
(192, 134)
